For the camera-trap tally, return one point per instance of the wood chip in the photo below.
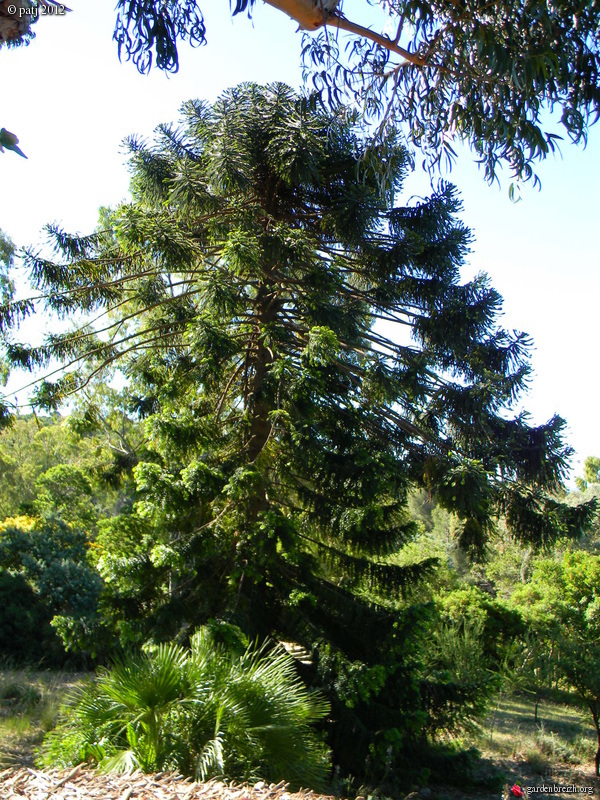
(68, 777)
(83, 783)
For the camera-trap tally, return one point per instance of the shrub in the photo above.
(44, 576)
(25, 632)
(203, 712)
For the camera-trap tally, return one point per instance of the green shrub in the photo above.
(44, 575)
(457, 684)
(25, 632)
(203, 712)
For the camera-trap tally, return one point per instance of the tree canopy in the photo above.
(253, 257)
(451, 71)
(562, 605)
(490, 75)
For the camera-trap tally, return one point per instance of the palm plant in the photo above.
(202, 711)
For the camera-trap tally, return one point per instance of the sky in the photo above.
(71, 102)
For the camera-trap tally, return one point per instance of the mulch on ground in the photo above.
(86, 784)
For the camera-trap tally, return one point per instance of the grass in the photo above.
(562, 736)
(29, 705)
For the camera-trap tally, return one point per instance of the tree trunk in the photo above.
(525, 564)
(593, 708)
(258, 405)
(260, 425)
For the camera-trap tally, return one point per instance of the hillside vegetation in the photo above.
(312, 538)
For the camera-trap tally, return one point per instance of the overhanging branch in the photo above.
(312, 14)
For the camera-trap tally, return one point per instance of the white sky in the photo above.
(71, 103)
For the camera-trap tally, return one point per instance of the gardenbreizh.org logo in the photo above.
(516, 791)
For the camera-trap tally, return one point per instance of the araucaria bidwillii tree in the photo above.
(303, 350)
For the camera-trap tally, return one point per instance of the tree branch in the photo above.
(336, 20)
(311, 15)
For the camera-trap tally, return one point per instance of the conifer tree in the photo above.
(303, 350)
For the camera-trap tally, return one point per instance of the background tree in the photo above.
(69, 481)
(490, 76)
(242, 292)
(591, 469)
(591, 473)
(98, 455)
(561, 604)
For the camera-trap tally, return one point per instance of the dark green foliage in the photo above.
(451, 765)
(25, 632)
(141, 572)
(44, 562)
(370, 740)
(204, 712)
(243, 293)
(51, 555)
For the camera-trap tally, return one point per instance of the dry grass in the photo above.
(29, 704)
(562, 737)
